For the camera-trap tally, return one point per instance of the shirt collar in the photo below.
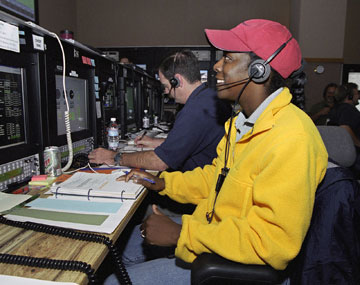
(244, 125)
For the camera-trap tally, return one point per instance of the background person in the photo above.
(347, 116)
(319, 111)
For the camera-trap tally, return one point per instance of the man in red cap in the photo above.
(255, 201)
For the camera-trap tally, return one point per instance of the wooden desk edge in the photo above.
(71, 276)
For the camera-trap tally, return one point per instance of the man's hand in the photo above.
(147, 142)
(324, 111)
(145, 179)
(102, 156)
(160, 230)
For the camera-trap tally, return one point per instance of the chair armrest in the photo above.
(213, 269)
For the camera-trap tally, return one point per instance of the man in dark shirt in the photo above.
(197, 129)
(320, 111)
(344, 113)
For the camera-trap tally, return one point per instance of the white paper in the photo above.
(98, 184)
(9, 37)
(107, 227)
(8, 201)
(38, 42)
(134, 148)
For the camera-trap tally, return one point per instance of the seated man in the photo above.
(347, 116)
(197, 129)
(320, 111)
(345, 113)
(255, 201)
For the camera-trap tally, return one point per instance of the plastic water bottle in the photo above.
(146, 120)
(113, 135)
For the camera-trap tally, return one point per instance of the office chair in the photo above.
(330, 253)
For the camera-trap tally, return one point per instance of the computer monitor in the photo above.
(77, 92)
(204, 76)
(354, 77)
(130, 104)
(153, 97)
(110, 95)
(80, 88)
(20, 130)
(12, 112)
(351, 73)
(24, 9)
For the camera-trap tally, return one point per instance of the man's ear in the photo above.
(180, 79)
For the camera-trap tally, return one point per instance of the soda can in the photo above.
(52, 161)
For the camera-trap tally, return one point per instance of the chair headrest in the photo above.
(339, 144)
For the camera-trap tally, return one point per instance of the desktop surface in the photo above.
(18, 241)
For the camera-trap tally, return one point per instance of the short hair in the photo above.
(344, 91)
(276, 81)
(182, 62)
(329, 86)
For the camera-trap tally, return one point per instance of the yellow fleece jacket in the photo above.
(264, 208)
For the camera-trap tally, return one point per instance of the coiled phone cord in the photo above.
(69, 233)
(51, 264)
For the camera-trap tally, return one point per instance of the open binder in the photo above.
(97, 185)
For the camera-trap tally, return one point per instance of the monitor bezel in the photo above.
(22, 17)
(31, 102)
(60, 140)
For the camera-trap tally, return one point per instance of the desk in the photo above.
(19, 241)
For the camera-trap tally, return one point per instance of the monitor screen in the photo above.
(12, 117)
(204, 76)
(77, 92)
(24, 9)
(130, 105)
(110, 96)
(354, 77)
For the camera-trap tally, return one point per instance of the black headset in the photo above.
(344, 91)
(174, 82)
(349, 92)
(259, 70)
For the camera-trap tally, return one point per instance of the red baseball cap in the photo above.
(262, 37)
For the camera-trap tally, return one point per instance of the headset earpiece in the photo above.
(174, 82)
(259, 71)
(350, 94)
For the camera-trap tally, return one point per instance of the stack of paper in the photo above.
(97, 185)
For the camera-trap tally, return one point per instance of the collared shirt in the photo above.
(197, 130)
(244, 125)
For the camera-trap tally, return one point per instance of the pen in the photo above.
(143, 178)
(143, 135)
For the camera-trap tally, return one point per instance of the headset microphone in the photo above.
(231, 84)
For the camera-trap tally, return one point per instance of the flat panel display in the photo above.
(354, 77)
(130, 104)
(77, 91)
(24, 9)
(12, 115)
